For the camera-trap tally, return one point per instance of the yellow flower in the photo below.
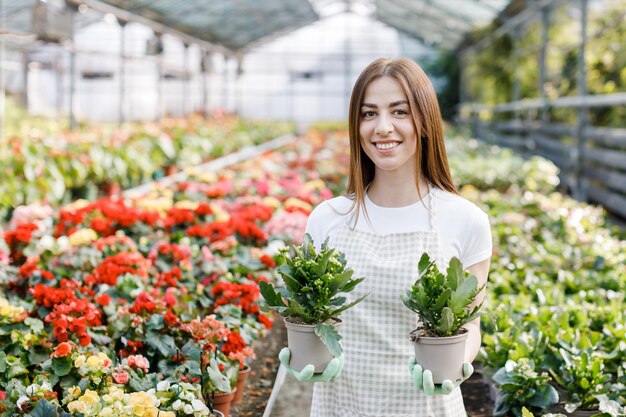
(77, 407)
(167, 414)
(79, 361)
(187, 204)
(74, 391)
(90, 397)
(116, 393)
(272, 202)
(157, 204)
(295, 202)
(94, 363)
(77, 205)
(106, 412)
(82, 237)
(7, 310)
(219, 213)
(314, 185)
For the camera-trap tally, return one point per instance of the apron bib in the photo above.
(375, 381)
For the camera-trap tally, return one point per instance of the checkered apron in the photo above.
(375, 381)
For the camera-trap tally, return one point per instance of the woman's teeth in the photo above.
(387, 145)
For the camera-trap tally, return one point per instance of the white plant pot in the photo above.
(443, 356)
(306, 347)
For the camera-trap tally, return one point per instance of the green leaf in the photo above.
(62, 366)
(330, 337)
(35, 325)
(447, 321)
(349, 286)
(163, 343)
(464, 295)
(423, 263)
(219, 380)
(272, 298)
(335, 313)
(3, 361)
(155, 322)
(545, 396)
(44, 409)
(455, 274)
(99, 339)
(340, 280)
(337, 301)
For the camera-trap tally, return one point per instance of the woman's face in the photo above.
(386, 127)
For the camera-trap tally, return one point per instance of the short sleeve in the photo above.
(478, 245)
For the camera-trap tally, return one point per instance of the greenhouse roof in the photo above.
(236, 25)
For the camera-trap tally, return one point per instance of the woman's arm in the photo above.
(480, 271)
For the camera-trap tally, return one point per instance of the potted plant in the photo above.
(442, 302)
(311, 301)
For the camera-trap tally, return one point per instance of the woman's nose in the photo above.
(384, 126)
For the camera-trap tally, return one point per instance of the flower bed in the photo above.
(98, 160)
(556, 288)
(124, 307)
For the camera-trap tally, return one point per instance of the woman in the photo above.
(400, 202)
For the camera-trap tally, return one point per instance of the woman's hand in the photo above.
(332, 371)
(423, 379)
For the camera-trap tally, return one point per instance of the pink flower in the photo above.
(121, 377)
(138, 361)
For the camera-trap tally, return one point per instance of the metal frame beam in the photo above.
(156, 26)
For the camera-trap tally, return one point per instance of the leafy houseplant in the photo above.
(311, 301)
(442, 303)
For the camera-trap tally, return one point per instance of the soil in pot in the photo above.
(443, 356)
(306, 347)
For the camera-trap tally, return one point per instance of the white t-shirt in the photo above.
(463, 228)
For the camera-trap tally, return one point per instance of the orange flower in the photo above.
(62, 350)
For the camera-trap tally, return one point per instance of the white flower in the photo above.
(177, 405)
(30, 390)
(46, 242)
(163, 386)
(198, 405)
(274, 247)
(20, 401)
(64, 243)
(188, 409)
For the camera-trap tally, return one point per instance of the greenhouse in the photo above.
(268, 208)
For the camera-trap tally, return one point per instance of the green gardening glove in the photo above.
(423, 379)
(332, 371)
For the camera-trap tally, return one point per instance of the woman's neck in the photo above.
(396, 192)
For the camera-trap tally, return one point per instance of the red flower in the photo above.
(104, 300)
(62, 350)
(265, 320)
(84, 339)
(268, 260)
(234, 343)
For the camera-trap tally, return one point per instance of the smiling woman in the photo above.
(400, 203)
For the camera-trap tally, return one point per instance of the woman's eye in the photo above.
(401, 112)
(367, 114)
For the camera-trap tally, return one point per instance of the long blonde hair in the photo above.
(431, 159)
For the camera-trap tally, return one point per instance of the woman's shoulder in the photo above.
(456, 205)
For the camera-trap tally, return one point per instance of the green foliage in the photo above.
(442, 300)
(315, 284)
(583, 378)
(520, 385)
